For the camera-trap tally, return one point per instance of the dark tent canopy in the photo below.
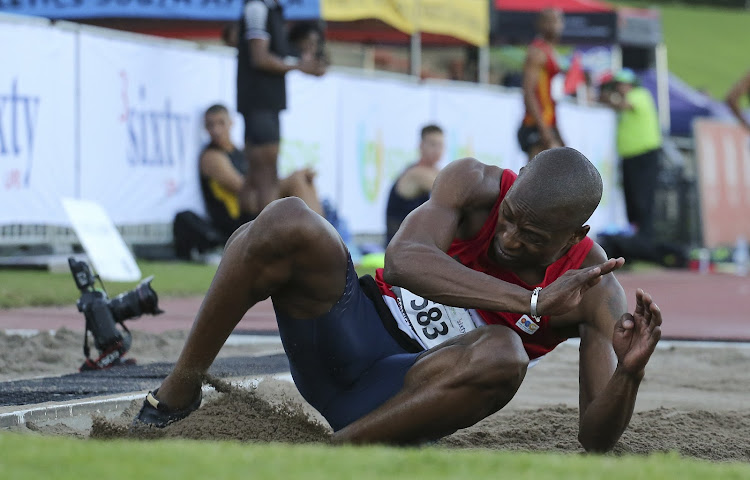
(586, 21)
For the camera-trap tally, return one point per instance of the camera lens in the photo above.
(142, 299)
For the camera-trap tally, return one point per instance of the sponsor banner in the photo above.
(723, 155)
(479, 123)
(142, 126)
(378, 133)
(592, 132)
(308, 130)
(166, 9)
(37, 124)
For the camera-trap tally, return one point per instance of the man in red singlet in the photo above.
(488, 275)
(538, 130)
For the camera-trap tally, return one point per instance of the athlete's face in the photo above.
(526, 238)
(431, 148)
(218, 126)
(552, 24)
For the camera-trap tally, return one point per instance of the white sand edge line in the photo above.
(58, 411)
(233, 340)
(669, 344)
(242, 339)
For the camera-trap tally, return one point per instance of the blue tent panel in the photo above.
(685, 103)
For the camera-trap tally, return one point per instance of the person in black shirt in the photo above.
(223, 171)
(263, 60)
(412, 188)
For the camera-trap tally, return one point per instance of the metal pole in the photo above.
(662, 87)
(484, 64)
(415, 54)
(616, 63)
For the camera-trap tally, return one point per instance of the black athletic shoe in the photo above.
(156, 414)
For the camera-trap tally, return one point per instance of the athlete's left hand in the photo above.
(635, 336)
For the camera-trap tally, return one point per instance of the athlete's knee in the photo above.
(290, 220)
(497, 360)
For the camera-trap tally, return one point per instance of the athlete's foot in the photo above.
(180, 391)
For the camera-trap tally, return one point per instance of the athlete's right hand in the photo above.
(310, 65)
(565, 293)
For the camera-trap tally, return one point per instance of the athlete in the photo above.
(387, 360)
(538, 130)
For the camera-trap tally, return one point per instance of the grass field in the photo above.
(24, 288)
(20, 288)
(706, 47)
(32, 457)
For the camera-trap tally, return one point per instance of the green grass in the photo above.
(36, 288)
(22, 288)
(706, 47)
(32, 457)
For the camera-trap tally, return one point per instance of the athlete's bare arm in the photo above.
(416, 258)
(216, 165)
(615, 347)
(534, 64)
(417, 181)
(742, 87)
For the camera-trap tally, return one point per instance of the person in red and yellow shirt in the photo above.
(539, 127)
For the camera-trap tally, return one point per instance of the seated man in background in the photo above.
(412, 188)
(222, 170)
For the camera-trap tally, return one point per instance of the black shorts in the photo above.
(346, 363)
(529, 136)
(262, 127)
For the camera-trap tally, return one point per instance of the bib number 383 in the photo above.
(433, 323)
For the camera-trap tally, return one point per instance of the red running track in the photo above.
(695, 306)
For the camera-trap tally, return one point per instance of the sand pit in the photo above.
(61, 352)
(693, 401)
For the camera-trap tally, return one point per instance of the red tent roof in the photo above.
(567, 6)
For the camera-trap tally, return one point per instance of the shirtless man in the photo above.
(395, 365)
(538, 129)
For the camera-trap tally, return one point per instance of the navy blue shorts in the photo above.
(345, 363)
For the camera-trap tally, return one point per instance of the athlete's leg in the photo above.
(450, 387)
(261, 185)
(288, 253)
(534, 150)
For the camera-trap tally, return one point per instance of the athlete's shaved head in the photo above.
(561, 185)
(550, 23)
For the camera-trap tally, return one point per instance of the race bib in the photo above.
(432, 323)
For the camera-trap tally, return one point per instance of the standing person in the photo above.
(412, 188)
(638, 145)
(262, 62)
(740, 89)
(539, 127)
(388, 364)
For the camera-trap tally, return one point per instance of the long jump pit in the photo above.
(693, 399)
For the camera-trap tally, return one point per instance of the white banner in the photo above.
(142, 126)
(592, 132)
(308, 130)
(37, 123)
(378, 129)
(480, 124)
